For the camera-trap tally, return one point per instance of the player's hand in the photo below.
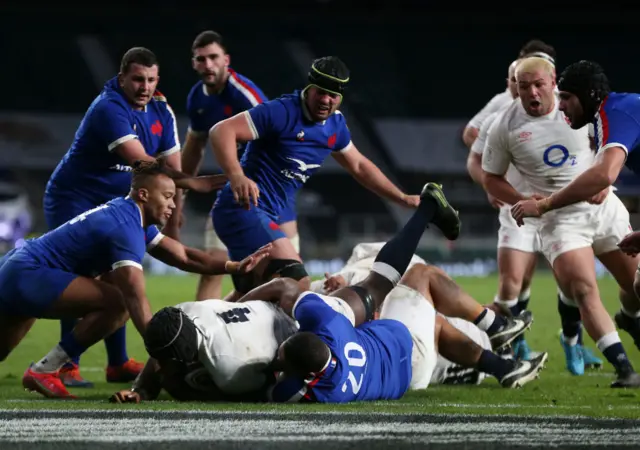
(412, 201)
(525, 208)
(630, 244)
(250, 262)
(125, 396)
(245, 190)
(495, 202)
(599, 197)
(333, 283)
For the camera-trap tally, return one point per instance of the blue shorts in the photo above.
(27, 287)
(288, 214)
(244, 231)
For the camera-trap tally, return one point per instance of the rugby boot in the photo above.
(48, 384)
(70, 376)
(521, 349)
(573, 357)
(124, 373)
(628, 379)
(524, 371)
(446, 218)
(591, 361)
(630, 325)
(514, 327)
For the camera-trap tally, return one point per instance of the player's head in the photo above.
(512, 85)
(328, 78)
(536, 47)
(302, 354)
(536, 84)
(210, 58)
(138, 77)
(583, 86)
(154, 190)
(172, 337)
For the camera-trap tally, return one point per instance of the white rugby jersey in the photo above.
(498, 102)
(546, 151)
(238, 340)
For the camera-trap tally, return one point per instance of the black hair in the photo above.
(306, 353)
(138, 55)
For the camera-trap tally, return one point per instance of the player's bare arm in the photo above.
(192, 260)
(147, 385)
(370, 176)
(193, 152)
(283, 291)
(130, 281)
(474, 167)
(224, 137)
(590, 183)
(172, 228)
(469, 135)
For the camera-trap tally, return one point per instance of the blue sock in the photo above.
(71, 346)
(570, 319)
(489, 321)
(520, 306)
(494, 365)
(66, 327)
(116, 345)
(398, 252)
(580, 335)
(616, 355)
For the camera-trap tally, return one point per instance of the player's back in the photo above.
(84, 245)
(545, 150)
(368, 362)
(618, 122)
(240, 340)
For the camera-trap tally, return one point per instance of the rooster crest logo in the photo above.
(300, 136)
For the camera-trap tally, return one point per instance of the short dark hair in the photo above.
(306, 352)
(206, 38)
(143, 170)
(536, 45)
(138, 55)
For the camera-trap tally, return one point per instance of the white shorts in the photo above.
(525, 238)
(602, 228)
(449, 372)
(211, 239)
(409, 306)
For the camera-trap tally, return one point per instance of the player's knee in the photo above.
(509, 286)
(284, 268)
(582, 292)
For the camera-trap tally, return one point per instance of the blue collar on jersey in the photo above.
(128, 197)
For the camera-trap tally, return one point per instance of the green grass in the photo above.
(555, 393)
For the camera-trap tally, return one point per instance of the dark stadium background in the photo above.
(418, 74)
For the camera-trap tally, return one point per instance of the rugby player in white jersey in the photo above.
(534, 47)
(534, 136)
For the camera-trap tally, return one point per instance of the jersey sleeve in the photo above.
(312, 312)
(343, 135)
(127, 248)
(496, 156)
(170, 140)
(494, 105)
(152, 237)
(617, 129)
(110, 121)
(197, 123)
(481, 140)
(289, 390)
(248, 95)
(269, 118)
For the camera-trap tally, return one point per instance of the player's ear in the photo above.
(227, 60)
(143, 194)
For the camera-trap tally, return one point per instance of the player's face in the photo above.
(572, 108)
(139, 83)
(321, 104)
(211, 63)
(159, 200)
(535, 88)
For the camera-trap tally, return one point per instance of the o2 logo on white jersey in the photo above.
(557, 155)
(356, 357)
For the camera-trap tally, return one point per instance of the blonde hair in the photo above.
(533, 64)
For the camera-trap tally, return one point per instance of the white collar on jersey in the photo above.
(128, 197)
(305, 110)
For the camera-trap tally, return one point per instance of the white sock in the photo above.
(570, 341)
(506, 304)
(53, 361)
(487, 320)
(524, 295)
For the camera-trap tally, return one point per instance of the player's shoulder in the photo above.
(625, 102)
(507, 117)
(196, 92)
(161, 105)
(500, 100)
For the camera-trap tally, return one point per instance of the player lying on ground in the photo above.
(53, 276)
(334, 359)
(534, 136)
(290, 137)
(586, 98)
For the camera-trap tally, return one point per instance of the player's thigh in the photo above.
(12, 330)
(623, 268)
(575, 272)
(415, 311)
(83, 296)
(290, 228)
(211, 240)
(514, 265)
(561, 235)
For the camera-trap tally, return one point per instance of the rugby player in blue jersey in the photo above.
(128, 121)
(221, 93)
(54, 276)
(586, 98)
(288, 140)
